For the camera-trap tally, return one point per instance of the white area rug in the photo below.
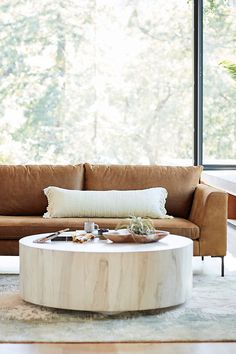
(210, 315)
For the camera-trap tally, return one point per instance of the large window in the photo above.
(219, 82)
(103, 81)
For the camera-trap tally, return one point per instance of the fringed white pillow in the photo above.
(75, 203)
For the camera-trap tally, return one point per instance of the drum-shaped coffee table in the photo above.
(106, 277)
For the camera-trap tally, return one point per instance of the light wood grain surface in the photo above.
(106, 277)
(120, 348)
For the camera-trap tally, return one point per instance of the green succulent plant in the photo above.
(138, 225)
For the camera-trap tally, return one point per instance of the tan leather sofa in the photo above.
(200, 211)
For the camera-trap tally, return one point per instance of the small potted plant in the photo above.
(142, 230)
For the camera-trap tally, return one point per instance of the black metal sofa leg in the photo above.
(222, 264)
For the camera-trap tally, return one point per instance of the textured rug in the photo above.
(210, 315)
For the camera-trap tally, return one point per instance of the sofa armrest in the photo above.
(209, 212)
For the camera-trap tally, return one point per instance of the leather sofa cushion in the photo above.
(9, 247)
(21, 187)
(15, 227)
(180, 182)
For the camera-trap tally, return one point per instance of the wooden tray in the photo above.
(127, 237)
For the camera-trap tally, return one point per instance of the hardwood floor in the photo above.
(208, 266)
(120, 348)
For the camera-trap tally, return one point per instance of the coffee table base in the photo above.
(115, 280)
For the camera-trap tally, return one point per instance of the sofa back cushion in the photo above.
(21, 186)
(180, 182)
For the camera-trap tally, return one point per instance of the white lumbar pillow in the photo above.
(75, 203)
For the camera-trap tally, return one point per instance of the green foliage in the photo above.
(219, 90)
(210, 6)
(110, 81)
(230, 67)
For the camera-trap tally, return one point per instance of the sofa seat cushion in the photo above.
(179, 181)
(15, 227)
(22, 186)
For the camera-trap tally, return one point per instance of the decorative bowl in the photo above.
(118, 236)
(125, 236)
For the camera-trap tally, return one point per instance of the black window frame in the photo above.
(198, 90)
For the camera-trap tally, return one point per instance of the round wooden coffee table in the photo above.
(106, 277)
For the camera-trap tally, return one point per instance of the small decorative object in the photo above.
(100, 233)
(137, 229)
(90, 226)
(50, 236)
(82, 238)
